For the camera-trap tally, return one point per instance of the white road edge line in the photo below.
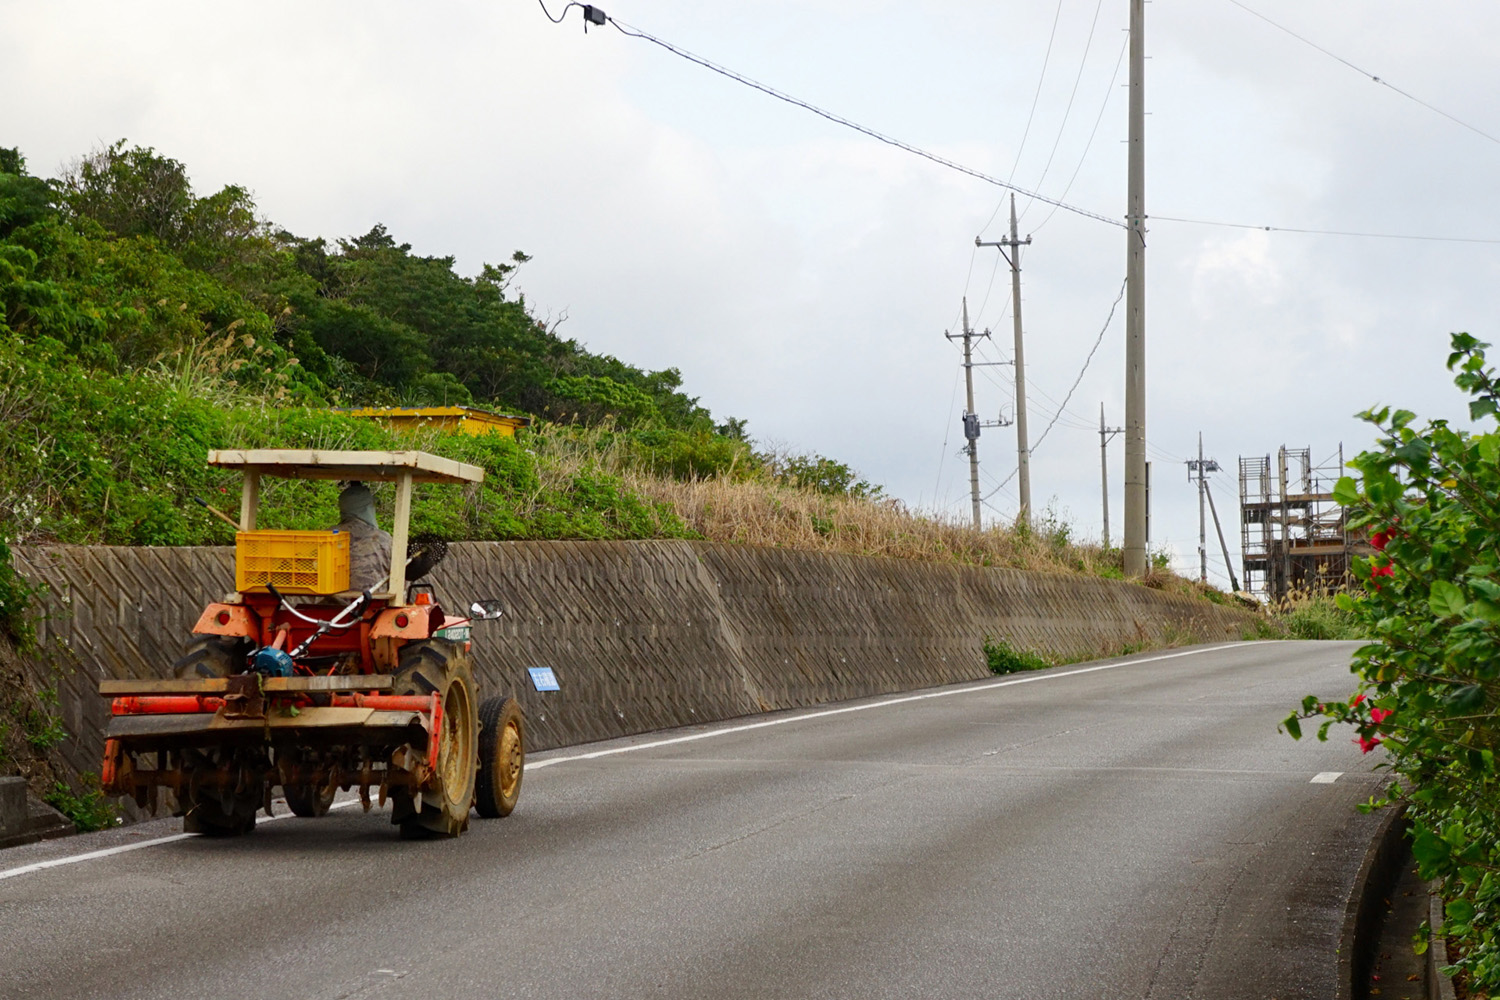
(1326, 777)
(125, 848)
(945, 693)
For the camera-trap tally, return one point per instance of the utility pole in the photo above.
(1105, 433)
(972, 423)
(1023, 448)
(1135, 303)
(1201, 467)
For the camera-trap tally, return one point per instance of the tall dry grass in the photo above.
(761, 513)
(747, 506)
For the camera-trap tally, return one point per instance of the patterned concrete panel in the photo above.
(641, 635)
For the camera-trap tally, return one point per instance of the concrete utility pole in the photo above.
(1023, 446)
(1201, 467)
(1135, 304)
(1105, 433)
(972, 423)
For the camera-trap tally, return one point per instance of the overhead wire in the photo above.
(1103, 106)
(1092, 351)
(1035, 97)
(1366, 73)
(947, 428)
(561, 14)
(1326, 232)
(1032, 447)
(1072, 96)
(633, 32)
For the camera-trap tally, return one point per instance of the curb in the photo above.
(1364, 915)
(1439, 986)
(24, 819)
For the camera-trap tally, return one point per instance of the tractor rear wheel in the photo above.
(212, 656)
(502, 756)
(442, 668)
(309, 802)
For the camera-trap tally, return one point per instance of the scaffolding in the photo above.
(1294, 535)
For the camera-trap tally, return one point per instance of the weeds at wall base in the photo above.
(89, 809)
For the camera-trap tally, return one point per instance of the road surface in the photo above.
(1128, 828)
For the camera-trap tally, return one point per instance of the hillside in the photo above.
(142, 324)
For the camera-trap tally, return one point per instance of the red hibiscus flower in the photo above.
(1379, 715)
(1367, 743)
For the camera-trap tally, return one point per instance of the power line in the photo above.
(1104, 105)
(1041, 78)
(941, 161)
(561, 14)
(1325, 232)
(1364, 72)
(1071, 389)
(1072, 96)
(1099, 340)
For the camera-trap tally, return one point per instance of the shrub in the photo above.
(89, 809)
(1431, 674)
(1319, 616)
(1003, 658)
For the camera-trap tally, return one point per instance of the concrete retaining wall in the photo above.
(641, 635)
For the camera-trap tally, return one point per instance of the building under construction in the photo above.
(1294, 535)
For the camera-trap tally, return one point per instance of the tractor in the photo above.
(298, 682)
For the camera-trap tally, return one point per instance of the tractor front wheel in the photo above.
(442, 810)
(309, 802)
(502, 756)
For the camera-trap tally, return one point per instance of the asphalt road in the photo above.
(1138, 829)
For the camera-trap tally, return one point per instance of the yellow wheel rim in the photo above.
(509, 769)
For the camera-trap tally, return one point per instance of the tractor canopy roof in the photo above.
(373, 466)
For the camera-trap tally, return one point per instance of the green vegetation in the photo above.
(142, 324)
(14, 593)
(89, 809)
(1319, 617)
(1430, 691)
(42, 726)
(1003, 658)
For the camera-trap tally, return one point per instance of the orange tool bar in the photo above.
(173, 704)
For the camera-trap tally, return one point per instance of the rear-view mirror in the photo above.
(485, 610)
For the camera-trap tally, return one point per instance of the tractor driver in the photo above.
(369, 547)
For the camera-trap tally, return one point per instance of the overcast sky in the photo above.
(800, 275)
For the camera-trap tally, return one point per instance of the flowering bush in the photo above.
(1431, 677)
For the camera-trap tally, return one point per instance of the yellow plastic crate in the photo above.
(295, 562)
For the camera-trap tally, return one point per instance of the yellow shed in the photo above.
(465, 419)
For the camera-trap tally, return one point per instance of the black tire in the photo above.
(502, 757)
(212, 656)
(437, 666)
(206, 812)
(309, 802)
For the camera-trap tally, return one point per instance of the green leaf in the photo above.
(1469, 698)
(1428, 849)
(1489, 448)
(1481, 407)
(1346, 491)
(1343, 601)
(1446, 599)
(1460, 911)
(1293, 726)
